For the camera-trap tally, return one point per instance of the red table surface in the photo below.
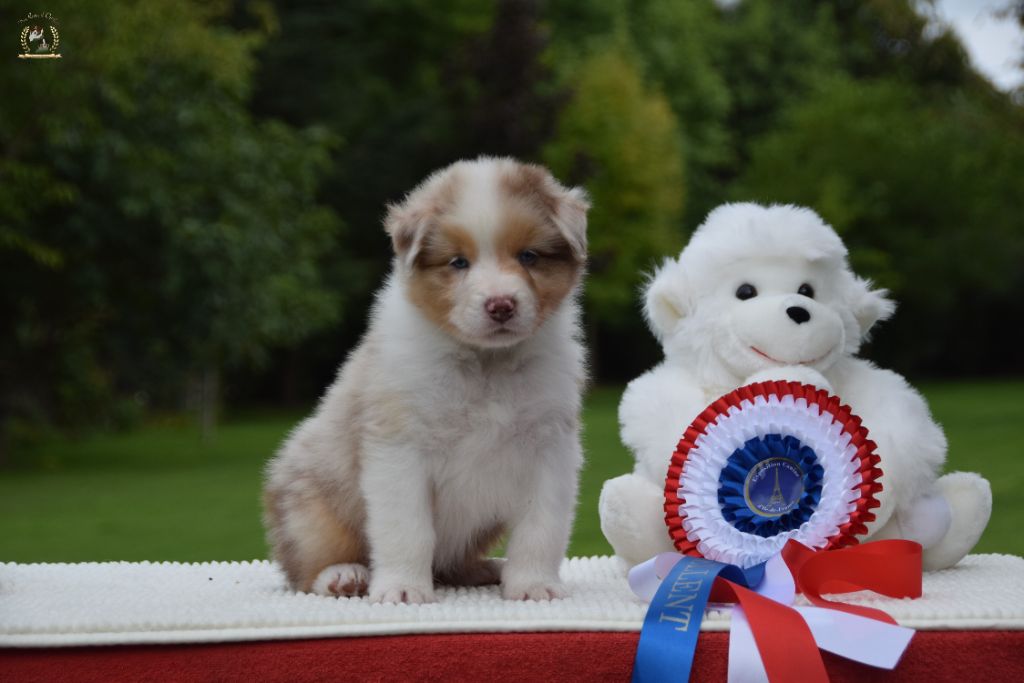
(571, 656)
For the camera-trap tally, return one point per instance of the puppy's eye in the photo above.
(527, 257)
(459, 263)
(746, 291)
(806, 290)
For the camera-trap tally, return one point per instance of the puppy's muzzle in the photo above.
(500, 308)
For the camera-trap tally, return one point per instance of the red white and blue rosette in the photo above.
(767, 463)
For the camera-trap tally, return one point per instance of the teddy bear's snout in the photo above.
(798, 314)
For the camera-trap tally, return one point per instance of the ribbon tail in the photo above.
(869, 641)
(744, 663)
(786, 645)
(668, 638)
(890, 567)
(778, 583)
(645, 577)
(671, 627)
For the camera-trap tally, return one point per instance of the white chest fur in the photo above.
(487, 427)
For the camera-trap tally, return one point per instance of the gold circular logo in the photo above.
(773, 487)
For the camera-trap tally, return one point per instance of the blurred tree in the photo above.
(151, 229)
(900, 40)
(1014, 9)
(170, 190)
(393, 81)
(381, 77)
(677, 43)
(920, 191)
(580, 28)
(673, 45)
(620, 140)
(770, 54)
(511, 98)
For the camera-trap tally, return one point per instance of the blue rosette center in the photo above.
(770, 485)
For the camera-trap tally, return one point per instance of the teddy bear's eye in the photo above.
(746, 291)
(806, 290)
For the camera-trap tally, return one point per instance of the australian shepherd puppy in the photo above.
(456, 418)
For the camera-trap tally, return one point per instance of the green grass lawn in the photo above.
(158, 493)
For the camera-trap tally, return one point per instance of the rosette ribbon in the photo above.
(770, 638)
(768, 463)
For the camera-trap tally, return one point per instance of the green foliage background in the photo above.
(190, 198)
(160, 494)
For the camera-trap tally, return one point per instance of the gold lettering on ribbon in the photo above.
(678, 605)
(683, 618)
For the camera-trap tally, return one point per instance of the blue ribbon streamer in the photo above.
(668, 637)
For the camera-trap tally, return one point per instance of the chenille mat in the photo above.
(46, 605)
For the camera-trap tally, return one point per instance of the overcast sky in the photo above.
(996, 45)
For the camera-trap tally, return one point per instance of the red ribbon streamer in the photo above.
(785, 643)
(891, 568)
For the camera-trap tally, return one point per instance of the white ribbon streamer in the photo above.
(645, 577)
(868, 641)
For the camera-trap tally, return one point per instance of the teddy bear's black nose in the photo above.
(798, 314)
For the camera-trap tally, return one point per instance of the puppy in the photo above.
(456, 418)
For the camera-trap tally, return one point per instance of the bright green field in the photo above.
(160, 494)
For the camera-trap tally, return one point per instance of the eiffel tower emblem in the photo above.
(777, 497)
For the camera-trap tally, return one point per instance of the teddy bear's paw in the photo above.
(970, 501)
(633, 518)
(791, 373)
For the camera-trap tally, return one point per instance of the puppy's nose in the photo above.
(798, 314)
(500, 308)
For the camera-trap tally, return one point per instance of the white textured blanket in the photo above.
(122, 602)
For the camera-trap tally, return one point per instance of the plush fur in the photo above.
(806, 323)
(456, 418)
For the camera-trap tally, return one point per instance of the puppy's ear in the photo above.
(571, 219)
(869, 306)
(567, 207)
(406, 226)
(666, 299)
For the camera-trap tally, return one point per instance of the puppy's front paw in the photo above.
(532, 589)
(342, 581)
(396, 592)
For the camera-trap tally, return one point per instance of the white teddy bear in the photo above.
(766, 293)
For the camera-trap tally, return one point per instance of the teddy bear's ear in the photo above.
(665, 299)
(870, 305)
